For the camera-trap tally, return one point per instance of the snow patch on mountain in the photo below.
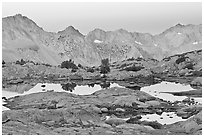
(138, 43)
(155, 45)
(97, 41)
(195, 43)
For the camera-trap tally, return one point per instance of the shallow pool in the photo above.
(154, 90)
(164, 118)
(157, 89)
(44, 87)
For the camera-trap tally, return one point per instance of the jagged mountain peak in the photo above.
(97, 30)
(88, 49)
(121, 30)
(96, 34)
(19, 20)
(175, 28)
(70, 30)
(17, 16)
(179, 25)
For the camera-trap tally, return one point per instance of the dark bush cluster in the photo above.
(139, 59)
(21, 62)
(154, 60)
(181, 59)
(68, 65)
(197, 73)
(105, 66)
(189, 66)
(3, 62)
(80, 66)
(48, 65)
(91, 84)
(130, 59)
(166, 59)
(90, 70)
(105, 85)
(74, 70)
(69, 86)
(97, 69)
(134, 68)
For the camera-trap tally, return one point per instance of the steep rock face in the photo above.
(23, 39)
(117, 45)
(147, 43)
(175, 40)
(73, 45)
(180, 39)
(188, 64)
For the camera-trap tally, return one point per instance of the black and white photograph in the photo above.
(101, 68)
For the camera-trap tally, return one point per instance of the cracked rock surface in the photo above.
(65, 113)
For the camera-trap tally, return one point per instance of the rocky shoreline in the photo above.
(111, 111)
(65, 113)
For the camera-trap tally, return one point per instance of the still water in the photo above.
(157, 89)
(164, 118)
(69, 87)
(154, 90)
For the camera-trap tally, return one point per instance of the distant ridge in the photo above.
(22, 38)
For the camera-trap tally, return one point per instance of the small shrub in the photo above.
(105, 66)
(139, 59)
(69, 86)
(45, 64)
(90, 70)
(32, 62)
(166, 59)
(91, 85)
(68, 64)
(130, 59)
(154, 60)
(80, 66)
(197, 73)
(105, 85)
(3, 62)
(134, 68)
(189, 66)
(181, 59)
(74, 70)
(97, 69)
(21, 62)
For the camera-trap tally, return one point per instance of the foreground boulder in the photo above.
(190, 126)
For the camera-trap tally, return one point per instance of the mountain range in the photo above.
(22, 38)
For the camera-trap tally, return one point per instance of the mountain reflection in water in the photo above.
(71, 86)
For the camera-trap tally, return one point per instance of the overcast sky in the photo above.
(134, 17)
